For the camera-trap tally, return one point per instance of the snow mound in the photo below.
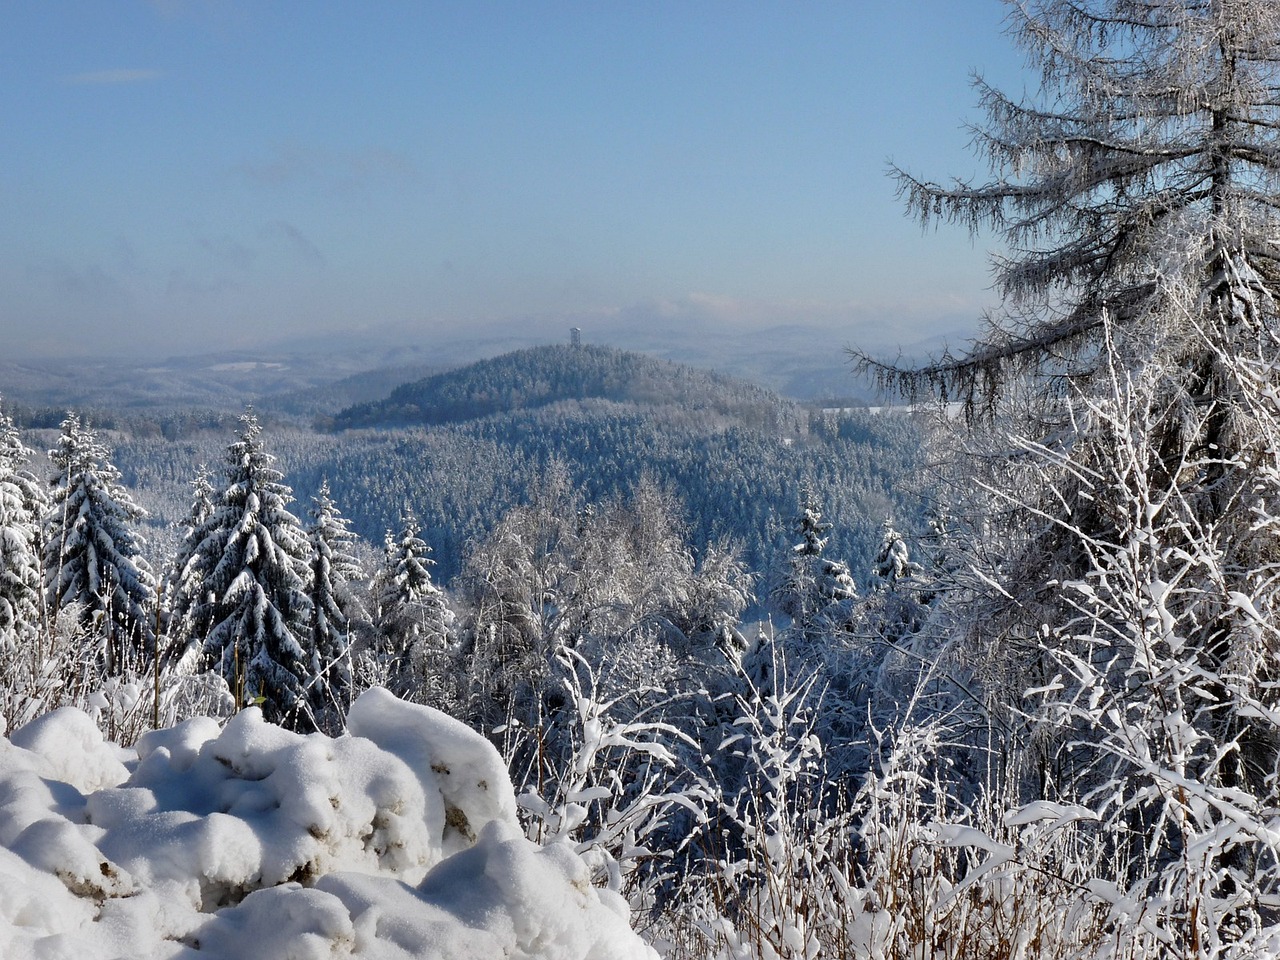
(396, 840)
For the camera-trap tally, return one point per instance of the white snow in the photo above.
(397, 840)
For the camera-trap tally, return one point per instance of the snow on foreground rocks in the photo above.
(397, 840)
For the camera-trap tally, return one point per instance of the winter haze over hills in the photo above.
(189, 177)
(804, 362)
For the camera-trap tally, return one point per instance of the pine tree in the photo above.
(22, 510)
(334, 607)
(243, 597)
(92, 556)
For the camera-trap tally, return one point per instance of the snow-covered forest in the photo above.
(1027, 709)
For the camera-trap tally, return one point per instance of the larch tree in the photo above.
(92, 554)
(243, 597)
(1133, 371)
(1149, 163)
(1138, 197)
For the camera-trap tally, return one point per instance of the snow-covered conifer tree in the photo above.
(1125, 572)
(818, 593)
(243, 597)
(893, 560)
(181, 570)
(203, 497)
(795, 595)
(92, 556)
(334, 607)
(413, 614)
(22, 509)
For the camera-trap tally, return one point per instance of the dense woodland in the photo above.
(737, 457)
(800, 684)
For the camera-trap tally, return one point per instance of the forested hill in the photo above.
(462, 448)
(540, 376)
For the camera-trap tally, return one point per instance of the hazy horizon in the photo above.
(189, 177)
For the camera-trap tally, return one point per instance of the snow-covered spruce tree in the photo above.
(413, 616)
(334, 607)
(1139, 199)
(22, 510)
(243, 597)
(893, 561)
(899, 602)
(815, 591)
(181, 570)
(203, 497)
(92, 555)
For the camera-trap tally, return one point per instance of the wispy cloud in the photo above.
(82, 282)
(101, 77)
(335, 171)
(295, 240)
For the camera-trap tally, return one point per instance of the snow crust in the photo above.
(397, 840)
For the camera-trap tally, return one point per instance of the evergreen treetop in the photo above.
(92, 554)
(243, 597)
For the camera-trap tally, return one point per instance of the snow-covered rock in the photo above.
(398, 839)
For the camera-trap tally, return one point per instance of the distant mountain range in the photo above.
(323, 376)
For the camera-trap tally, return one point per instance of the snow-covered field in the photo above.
(397, 840)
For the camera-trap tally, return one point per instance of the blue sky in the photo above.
(188, 175)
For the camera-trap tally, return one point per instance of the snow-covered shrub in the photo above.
(611, 787)
(910, 860)
(1129, 643)
(52, 669)
(397, 839)
(778, 839)
(1160, 714)
(934, 877)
